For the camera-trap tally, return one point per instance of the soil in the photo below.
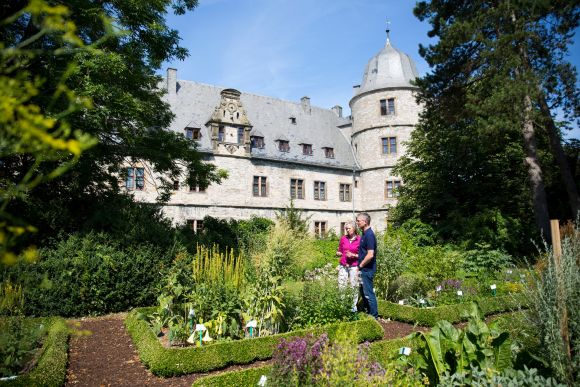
(101, 353)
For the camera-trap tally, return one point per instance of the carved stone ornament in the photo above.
(231, 148)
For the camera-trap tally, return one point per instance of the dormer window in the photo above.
(283, 146)
(193, 133)
(329, 152)
(240, 136)
(221, 133)
(293, 120)
(258, 142)
(307, 149)
(387, 107)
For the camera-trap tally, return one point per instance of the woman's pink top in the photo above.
(345, 245)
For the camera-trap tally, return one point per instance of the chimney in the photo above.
(355, 89)
(337, 110)
(171, 82)
(305, 102)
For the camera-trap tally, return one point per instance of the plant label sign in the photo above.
(438, 288)
(460, 293)
(405, 351)
(401, 302)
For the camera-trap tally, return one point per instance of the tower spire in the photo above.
(388, 30)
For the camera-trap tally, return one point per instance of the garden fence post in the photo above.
(557, 252)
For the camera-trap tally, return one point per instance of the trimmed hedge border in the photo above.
(51, 367)
(452, 313)
(380, 351)
(167, 362)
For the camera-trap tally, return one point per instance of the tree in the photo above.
(494, 65)
(46, 144)
(128, 117)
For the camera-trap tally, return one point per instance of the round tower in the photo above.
(384, 112)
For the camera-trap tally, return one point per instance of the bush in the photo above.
(50, 369)
(485, 261)
(171, 362)
(554, 298)
(298, 360)
(491, 378)
(409, 285)
(90, 274)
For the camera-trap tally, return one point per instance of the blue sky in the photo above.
(294, 48)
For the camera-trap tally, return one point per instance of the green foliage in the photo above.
(293, 218)
(485, 261)
(554, 296)
(323, 252)
(452, 313)
(322, 302)
(90, 274)
(171, 362)
(36, 146)
(11, 299)
(264, 302)
(491, 378)
(247, 377)
(19, 340)
(447, 349)
(409, 285)
(50, 369)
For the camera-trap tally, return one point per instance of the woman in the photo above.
(348, 252)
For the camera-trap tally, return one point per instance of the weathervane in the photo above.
(388, 32)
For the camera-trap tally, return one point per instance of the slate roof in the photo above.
(270, 117)
(388, 68)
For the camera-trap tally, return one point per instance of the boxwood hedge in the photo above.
(50, 369)
(179, 361)
(452, 313)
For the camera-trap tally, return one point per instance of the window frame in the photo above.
(284, 146)
(392, 192)
(319, 186)
(387, 106)
(345, 192)
(257, 142)
(328, 152)
(387, 145)
(297, 186)
(195, 133)
(307, 149)
(135, 180)
(261, 183)
(320, 229)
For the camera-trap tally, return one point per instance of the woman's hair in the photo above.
(351, 224)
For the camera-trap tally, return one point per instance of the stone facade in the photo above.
(336, 166)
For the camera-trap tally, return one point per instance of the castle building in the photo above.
(275, 150)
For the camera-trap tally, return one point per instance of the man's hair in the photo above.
(365, 216)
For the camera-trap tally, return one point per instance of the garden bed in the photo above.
(452, 313)
(50, 369)
(179, 361)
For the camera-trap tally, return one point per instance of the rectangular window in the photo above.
(329, 153)
(197, 187)
(319, 190)
(193, 133)
(344, 193)
(389, 145)
(259, 186)
(387, 106)
(240, 136)
(392, 188)
(175, 185)
(284, 146)
(258, 142)
(342, 231)
(195, 225)
(221, 133)
(307, 149)
(297, 188)
(135, 179)
(320, 228)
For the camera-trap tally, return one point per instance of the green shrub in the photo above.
(50, 369)
(492, 378)
(447, 349)
(409, 285)
(323, 252)
(89, 274)
(19, 339)
(170, 362)
(247, 377)
(554, 297)
(485, 261)
(452, 313)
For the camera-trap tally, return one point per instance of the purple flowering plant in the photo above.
(298, 360)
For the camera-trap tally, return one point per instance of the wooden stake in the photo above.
(556, 243)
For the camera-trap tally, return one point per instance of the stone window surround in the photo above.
(319, 190)
(320, 228)
(297, 187)
(261, 184)
(345, 192)
(386, 145)
(387, 106)
(390, 188)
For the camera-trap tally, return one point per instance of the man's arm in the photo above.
(367, 258)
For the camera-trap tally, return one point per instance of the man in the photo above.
(367, 263)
